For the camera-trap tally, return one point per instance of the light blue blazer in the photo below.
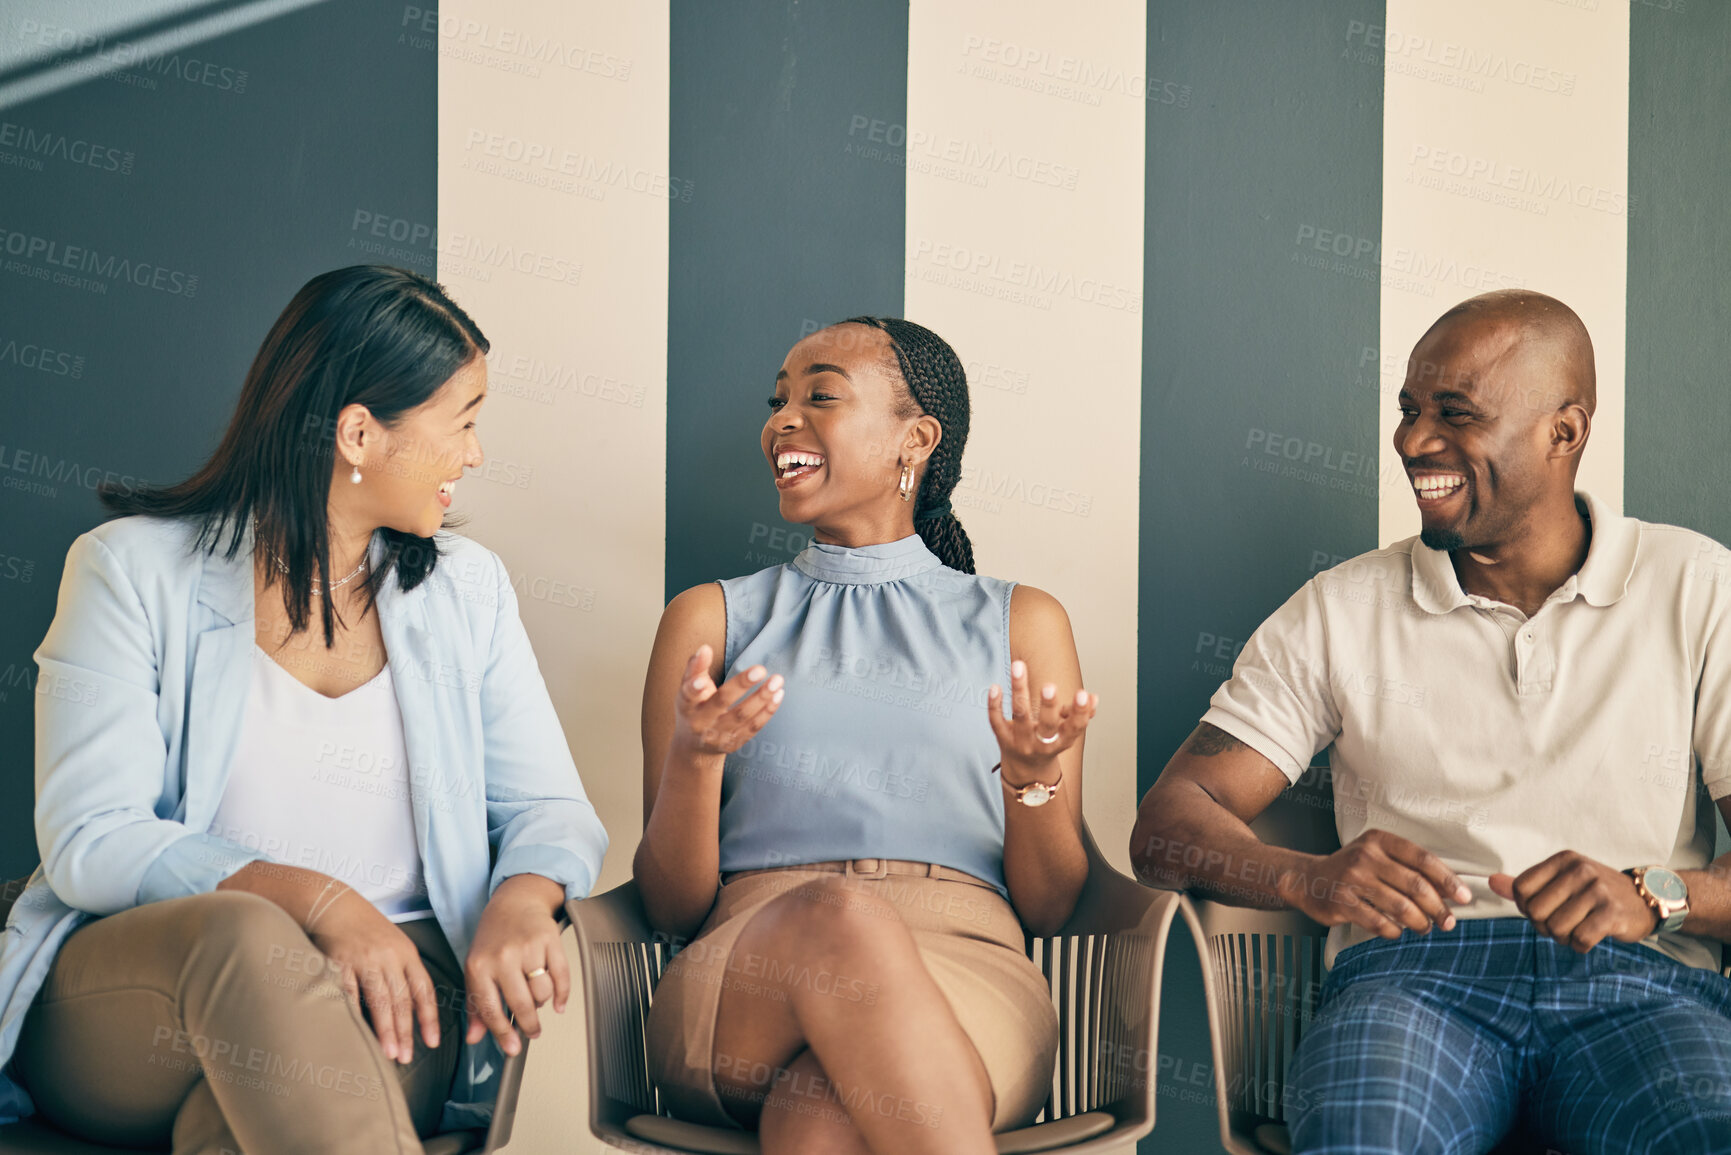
(141, 690)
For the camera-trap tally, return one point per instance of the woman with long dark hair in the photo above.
(843, 808)
(305, 811)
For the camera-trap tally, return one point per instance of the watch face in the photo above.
(1037, 795)
(1666, 886)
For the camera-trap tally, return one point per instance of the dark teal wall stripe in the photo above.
(1678, 390)
(1259, 386)
(787, 228)
(1259, 378)
(272, 164)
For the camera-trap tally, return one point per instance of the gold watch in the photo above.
(1034, 793)
(1665, 891)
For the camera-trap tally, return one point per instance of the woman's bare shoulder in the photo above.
(700, 606)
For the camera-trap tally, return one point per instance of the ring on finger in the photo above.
(536, 973)
(1045, 740)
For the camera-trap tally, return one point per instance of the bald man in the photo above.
(1527, 713)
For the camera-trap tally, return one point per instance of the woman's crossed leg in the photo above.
(832, 1034)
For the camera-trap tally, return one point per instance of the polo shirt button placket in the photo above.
(1526, 655)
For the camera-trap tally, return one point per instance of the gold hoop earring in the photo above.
(906, 488)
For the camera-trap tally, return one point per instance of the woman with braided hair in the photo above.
(847, 824)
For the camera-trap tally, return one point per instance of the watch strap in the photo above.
(1666, 918)
(1020, 793)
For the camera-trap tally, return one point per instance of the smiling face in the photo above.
(1478, 432)
(409, 473)
(841, 425)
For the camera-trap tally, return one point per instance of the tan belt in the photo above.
(867, 869)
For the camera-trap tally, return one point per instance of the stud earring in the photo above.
(906, 488)
(355, 477)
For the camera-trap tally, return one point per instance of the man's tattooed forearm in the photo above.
(1209, 740)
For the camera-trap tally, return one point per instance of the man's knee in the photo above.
(1382, 1068)
(1685, 1105)
(1378, 1014)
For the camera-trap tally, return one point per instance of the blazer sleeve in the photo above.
(101, 758)
(539, 819)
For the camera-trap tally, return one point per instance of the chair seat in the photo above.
(455, 1143)
(33, 1136)
(1058, 1133)
(665, 1132)
(1272, 1138)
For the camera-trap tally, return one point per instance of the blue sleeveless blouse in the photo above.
(881, 747)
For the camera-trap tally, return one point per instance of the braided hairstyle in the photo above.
(936, 384)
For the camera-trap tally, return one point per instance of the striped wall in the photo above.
(794, 219)
(1115, 239)
(165, 187)
(1679, 346)
(1679, 362)
(1505, 164)
(553, 233)
(1258, 429)
(1183, 249)
(554, 186)
(1024, 249)
(1255, 411)
(645, 204)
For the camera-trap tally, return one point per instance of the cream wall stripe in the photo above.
(553, 203)
(1024, 148)
(1505, 163)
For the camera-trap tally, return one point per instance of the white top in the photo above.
(1602, 724)
(324, 783)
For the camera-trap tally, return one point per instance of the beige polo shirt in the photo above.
(1602, 724)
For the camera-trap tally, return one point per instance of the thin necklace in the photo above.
(282, 567)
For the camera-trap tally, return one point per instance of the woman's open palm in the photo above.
(711, 719)
(1033, 734)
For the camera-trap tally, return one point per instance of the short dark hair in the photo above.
(371, 335)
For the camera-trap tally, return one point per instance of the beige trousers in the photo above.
(212, 1022)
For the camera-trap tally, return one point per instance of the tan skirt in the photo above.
(967, 935)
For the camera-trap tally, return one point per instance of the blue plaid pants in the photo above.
(1442, 1043)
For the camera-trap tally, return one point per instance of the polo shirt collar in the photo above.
(1602, 580)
